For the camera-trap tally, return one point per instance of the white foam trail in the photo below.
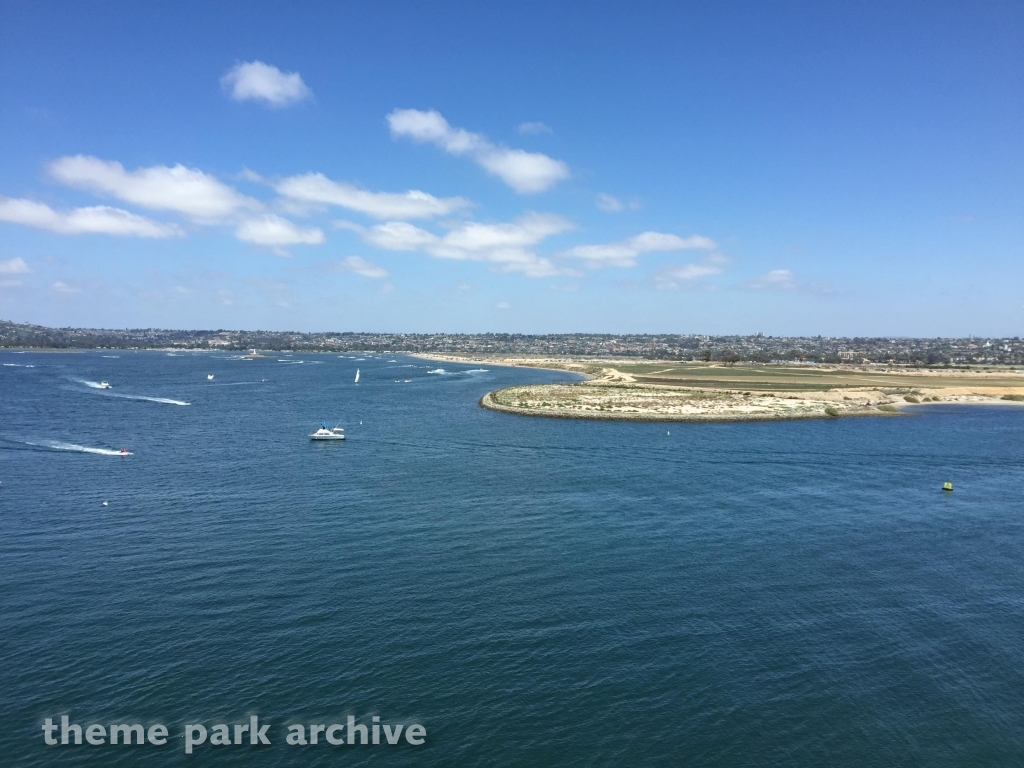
(57, 445)
(13, 365)
(439, 371)
(166, 400)
(476, 370)
(93, 384)
(112, 357)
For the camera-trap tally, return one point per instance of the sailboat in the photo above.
(357, 375)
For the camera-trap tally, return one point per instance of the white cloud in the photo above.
(399, 236)
(625, 252)
(97, 219)
(609, 204)
(533, 129)
(274, 231)
(782, 280)
(675, 277)
(61, 287)
(247, 174)
(359, 266)
(527, 230)
(503, 305)
(256, 81)
(15, 266)
(775, 280)
(504, 245)
(171, 188)
(317, 188)
(525, 172)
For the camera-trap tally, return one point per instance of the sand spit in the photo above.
(644, 392)
(638, 403)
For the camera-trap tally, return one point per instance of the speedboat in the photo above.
(104, 385)
(209, 377)
(327, 432)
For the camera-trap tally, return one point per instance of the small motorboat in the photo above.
(209, 377)
(104, 385)
(125, 452)
(327, 432)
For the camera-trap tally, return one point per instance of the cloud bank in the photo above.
(506, 246)
(525, 172)
(188, 191)
(273, 230)
(625, 252)
(318, 189)
(97, 219)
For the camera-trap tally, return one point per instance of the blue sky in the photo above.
(789, 167)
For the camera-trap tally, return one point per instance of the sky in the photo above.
(789, 168)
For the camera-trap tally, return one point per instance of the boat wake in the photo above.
(126, 396)
(443, 372)
(93, 384)
(145, 398)
(58, 445)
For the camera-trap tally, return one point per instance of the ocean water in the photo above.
(534, 592)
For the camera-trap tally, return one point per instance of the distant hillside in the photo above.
(756, 348)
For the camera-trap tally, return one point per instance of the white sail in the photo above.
(357, 375)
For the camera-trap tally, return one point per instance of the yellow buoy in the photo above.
(947, 486)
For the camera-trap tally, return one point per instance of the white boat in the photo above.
(357, 375)
(327, 432)
(104, 385)
(209, 377)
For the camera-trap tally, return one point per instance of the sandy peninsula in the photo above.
(644, 390)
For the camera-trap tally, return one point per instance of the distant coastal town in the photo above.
(728, 350)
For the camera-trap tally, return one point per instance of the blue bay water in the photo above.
(535, 592)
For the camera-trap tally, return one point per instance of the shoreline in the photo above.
(437, 357)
